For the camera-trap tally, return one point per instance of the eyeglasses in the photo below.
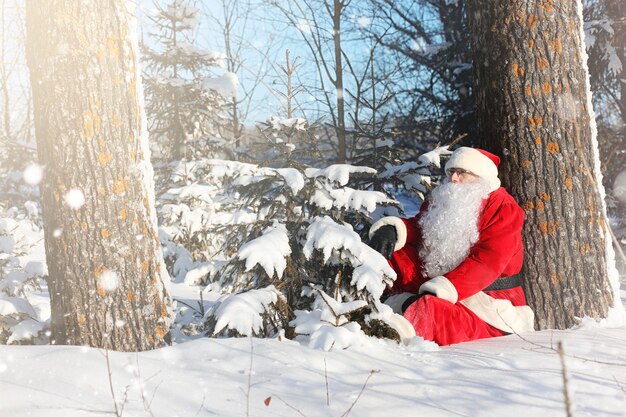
(460, 172)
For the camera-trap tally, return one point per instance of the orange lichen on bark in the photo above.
(123, 214)
(116, 122)
(130, 296)
(91, 124)
(601, 224)
(104, 158)
(160, 331)
(155, 237)
(549, 227)
(543, 63)
(534, 121)
(532, 21)
(120, 185)
(546, 88)
(531, 43)
(569, 184)
(98, 271)
(537, 140)
(526, 164)
(556, 278)
(145, 265)
(584, 248)
(81, 319)
(557, 45)
(541, 206)
(528, 91)
(545, 197)
(529, 205)
(84, 226)
(517, 70)
(101, 291)
(104, 232)
(552, 148)
(132, 87)
(82, 39)
(112, 44)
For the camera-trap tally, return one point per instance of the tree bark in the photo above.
(533, 109)
(338, 11)
(106, 278)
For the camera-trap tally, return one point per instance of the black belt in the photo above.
(505, 283)
(410, 301)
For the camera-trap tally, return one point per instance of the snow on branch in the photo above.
(225, 85)
(350, 198)
(269, 250)
(339, 173)
(326, 235)
(243, 312)
(372, 271)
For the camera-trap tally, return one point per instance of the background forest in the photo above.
(271, 117)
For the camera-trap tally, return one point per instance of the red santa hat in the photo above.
(478, 162)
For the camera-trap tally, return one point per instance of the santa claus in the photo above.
(458, 260)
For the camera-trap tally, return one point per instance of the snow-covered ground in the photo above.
(507, 376)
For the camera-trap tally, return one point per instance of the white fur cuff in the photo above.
(396, 301)
(405, 329)
(395, 222)
(441, 287)
(500, 313)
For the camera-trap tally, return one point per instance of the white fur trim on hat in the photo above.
(398, 224)
(477, 163)
(441, 287)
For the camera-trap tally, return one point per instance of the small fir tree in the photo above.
(184, 99)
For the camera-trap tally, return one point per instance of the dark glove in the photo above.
(384, 240)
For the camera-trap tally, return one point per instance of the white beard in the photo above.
(450, 225)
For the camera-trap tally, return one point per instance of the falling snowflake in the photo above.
(33, 174)
(75, 198)
(305, 26)
(363, 21)
(109, 281)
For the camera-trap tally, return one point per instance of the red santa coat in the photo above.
(497, 253)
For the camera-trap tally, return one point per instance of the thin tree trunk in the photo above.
(532, 105)
(616, 10)
(104, 258)
(4, 74)
(341, 113)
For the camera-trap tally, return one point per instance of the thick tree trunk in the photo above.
(532, 105)
(104, 258)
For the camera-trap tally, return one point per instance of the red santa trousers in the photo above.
(445, 323)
